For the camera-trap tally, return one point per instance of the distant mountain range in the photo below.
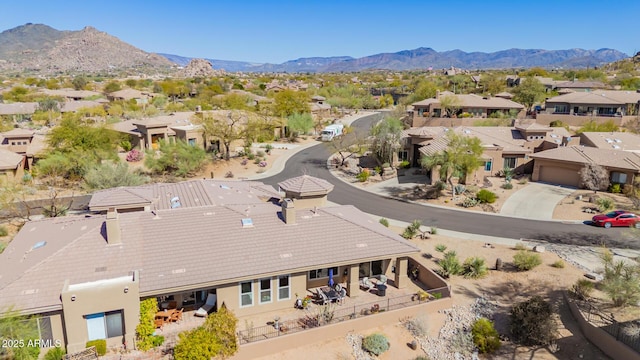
(424, 58)
(41, 48)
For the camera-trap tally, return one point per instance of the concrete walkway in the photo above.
(535, 201)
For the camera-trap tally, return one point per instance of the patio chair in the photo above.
(343, 296)
(383, 279)
(159, 323)
(177, 316)
(322, 298)
(206, 308)
(366, 284)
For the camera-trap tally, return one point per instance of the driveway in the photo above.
(535, 201)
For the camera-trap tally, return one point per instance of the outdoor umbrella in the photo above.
(331, 278)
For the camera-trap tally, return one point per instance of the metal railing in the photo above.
(627, 332)
(322, 315)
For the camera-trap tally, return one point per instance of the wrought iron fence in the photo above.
(627, 332)
(321, 315)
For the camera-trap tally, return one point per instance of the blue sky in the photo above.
(275, 31)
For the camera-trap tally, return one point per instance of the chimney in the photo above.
(437, 94)
(113, 227)
(288, 212)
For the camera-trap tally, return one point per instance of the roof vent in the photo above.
(101, 269)
(38, 245)
(224, 187)
(175, 202)
(247, 222)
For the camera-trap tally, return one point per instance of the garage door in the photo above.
(560, 176)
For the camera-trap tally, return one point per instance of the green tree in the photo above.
(233, 101)
(79, 82)
(529, 92)
(493, 83)
(485, 336)
(299, 124)
(112, 86)
(620, 281)
(20, 329)
(78, 139)
(462, 156)
(595, 126)
(451, 104)
(386, 138)
(594, 177)
(289, 102)
(226, 128)
(146, 327)
(178, 158)
(532, 322)
(109, 175)
(216, 338)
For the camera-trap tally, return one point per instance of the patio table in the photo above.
(165, 315)
(331, 293)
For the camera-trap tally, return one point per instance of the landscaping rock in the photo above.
(594, 276)
(538, 248)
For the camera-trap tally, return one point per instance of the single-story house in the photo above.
(146, 133)
(594, 103)
(579, 86)
(21, 142)
(71, 94)
(11, 166)
(84, 276)
(562, 165)
(504, 147)
(469, 105)
(616, 140)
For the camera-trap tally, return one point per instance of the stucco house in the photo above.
(469, 105)
(18, 148)
(616, 140)
(84, 276)
(595, 103)
(504, 147)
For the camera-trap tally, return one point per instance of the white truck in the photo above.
(332, 131)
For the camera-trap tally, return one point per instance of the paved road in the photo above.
(312, 161)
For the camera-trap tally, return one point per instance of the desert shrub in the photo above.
(605, 204)
(268, 148)
(405, 164)
(228, 175)
(126, 145)
(215, 338)
(146, 326)
(485, 336)
(134, 155)
(260, 153)
(257, 160)
(251, 156)
(3, 231)
(449, 265)
(507, 186)
(474, 268)
(384, 222)
(525, 260)
(386, 165)
(620, 281)
(486, 196)
(262, 163)
(434, 230)
(109, 175)
(100, 344)
(532, 322)
(363, 175)
(469, 202)
(2, 247)
(419, 325)
(520, 246)
(56, 353)
(615, 188)
(376, 344)
(523, 180)
(582, 289)
(440, 185)
(244, 162)
(556, 123)
(412, 230)
(460, 189)
(157, 340)
(441, 247)
(377, 170)
(559, 264)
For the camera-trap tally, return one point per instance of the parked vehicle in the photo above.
(332, 131)
(617, 218)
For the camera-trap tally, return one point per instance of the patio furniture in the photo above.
(343, 296)
(366, 284)
(329, 294)
(177, 315)
(382, 289)
(206, 308)
(159, 323)
(383, 279)
(173, 305)
(322, 297)
(164, 316)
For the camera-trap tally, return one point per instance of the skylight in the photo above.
(224, 187)
(38, 245)
(247, 222)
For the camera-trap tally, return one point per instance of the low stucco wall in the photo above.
(430, 278)
(600, 338)
(574, 120)
(289, 341)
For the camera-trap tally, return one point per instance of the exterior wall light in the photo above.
(73, 298)
(126, 289)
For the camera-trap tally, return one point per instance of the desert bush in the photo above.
(215, 338)
(244, 162)
(386, 165)
(2, 247)
(101, 346)
(441, 247)
(126, 145)
(404, 164)
(460, 189)
(434, 230)
(469, 202)
(376, 344)
(582, 289)
(532, 322)
(520, 246)
(109, 175)
(260, 153)
(507, 186)
(3, 231)
(474, 268)
(251, 156)
(363, 175)
(485, 336)
(525, 260)
(440, 185)
(228, 175)
(615, 188)
(146, 325)
(486, 196)
(56, 353)
(262, 163)
(384, 222)
(134, 155)
(419, 325)
(556, 123)
(559, 264)
(523, 181)
(449, 265)
(620, 281)
(605, 204)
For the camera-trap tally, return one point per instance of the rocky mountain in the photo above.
(423, 58)
(43, 49)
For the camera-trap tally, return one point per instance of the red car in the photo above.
(617, 218)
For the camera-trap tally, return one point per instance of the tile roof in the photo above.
(186, 248)
(602, 97)
(18, 108)
(17, 132)
(590, 155)
(9, 160)
(73, 106)
(476, 101)
(613, 140)
(306, 184)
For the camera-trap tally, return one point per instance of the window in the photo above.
(561, 109)
(104, 325)
(487, 165)
(265, 291)
(618, 178)
(246, 294)
(510, 162)
(322, 273)
(403, 155)
(192, 142)
(284, 290)
(376, 267)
